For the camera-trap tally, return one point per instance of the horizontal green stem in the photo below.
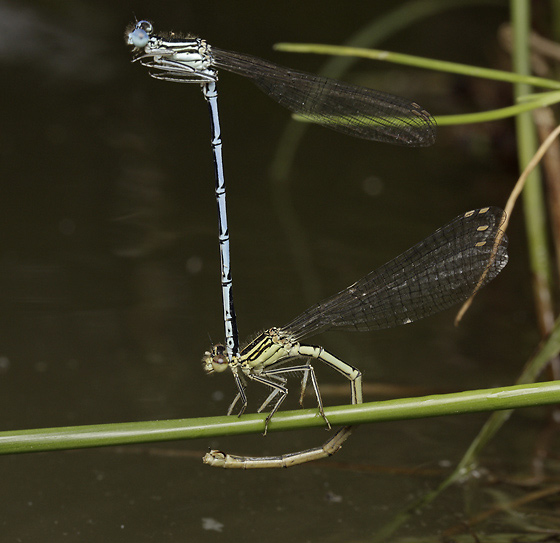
(418, 62)
(100, 435)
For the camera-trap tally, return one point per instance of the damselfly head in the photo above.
(215, 360)
(139, 34)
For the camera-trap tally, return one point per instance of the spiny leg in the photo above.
(278, 389)
(241, 386)
(233, 403)
(272, 395)
(307, 369)
(303, 388)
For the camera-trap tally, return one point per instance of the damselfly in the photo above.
(358, 111)
(444, 269)
(353, 110)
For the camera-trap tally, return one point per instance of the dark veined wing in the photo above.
(357, 111)
(444, 269)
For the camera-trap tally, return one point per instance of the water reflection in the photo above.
(110, 284)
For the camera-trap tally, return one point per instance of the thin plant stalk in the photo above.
(102, 435)
(420, 62)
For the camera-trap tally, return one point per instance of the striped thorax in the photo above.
(178, 58)
(267, 349)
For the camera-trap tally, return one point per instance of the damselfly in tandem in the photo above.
(444, 269)
(356, 111)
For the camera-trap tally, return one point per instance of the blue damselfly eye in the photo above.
(139, 38)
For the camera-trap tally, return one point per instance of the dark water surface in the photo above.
(110, 284)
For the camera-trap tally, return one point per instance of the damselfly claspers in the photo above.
(356, 111)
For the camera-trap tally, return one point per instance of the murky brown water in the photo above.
(110, 284)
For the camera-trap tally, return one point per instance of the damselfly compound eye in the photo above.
(139, 38)
(216, 360)
(220, 358)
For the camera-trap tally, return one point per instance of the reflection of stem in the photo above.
(510, 506)
(492, 425)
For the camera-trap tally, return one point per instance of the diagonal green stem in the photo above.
(419, 62)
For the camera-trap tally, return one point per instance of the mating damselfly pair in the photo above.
(444, 269)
